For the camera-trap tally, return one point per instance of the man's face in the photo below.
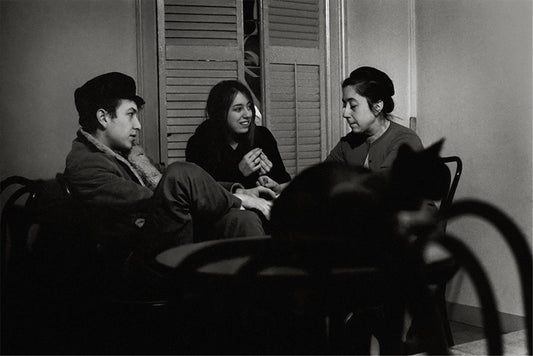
(121, 131)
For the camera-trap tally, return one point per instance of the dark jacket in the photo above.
(115, 192)
(208, 149)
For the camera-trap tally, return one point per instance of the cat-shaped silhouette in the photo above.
(333, 201)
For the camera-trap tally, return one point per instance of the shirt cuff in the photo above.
(235, 186)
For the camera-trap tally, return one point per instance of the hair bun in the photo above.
(372, 74)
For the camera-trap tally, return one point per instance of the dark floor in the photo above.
(465, 333)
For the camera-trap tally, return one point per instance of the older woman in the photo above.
(375, 139)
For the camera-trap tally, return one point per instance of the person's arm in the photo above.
(196, 152)
(259, 198)
(278, 172)
(97, 180)
(410, 139)
(266, 181)
(336, 154)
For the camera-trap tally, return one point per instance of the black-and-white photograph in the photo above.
(266, 177)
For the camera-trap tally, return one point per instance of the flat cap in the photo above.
(102, 90)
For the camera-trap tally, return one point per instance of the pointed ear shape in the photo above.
(435, 148)
(405, 151)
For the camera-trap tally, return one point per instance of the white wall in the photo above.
(49, 48)
(377, 33)
(474, 70)
(475, 89)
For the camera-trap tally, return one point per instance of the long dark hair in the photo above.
(219, 102)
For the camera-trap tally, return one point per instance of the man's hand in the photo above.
(266, 181)
(252, 202)
(258, 192)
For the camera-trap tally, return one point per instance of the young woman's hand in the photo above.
(265, 163)
(251, 162)
(266, 181)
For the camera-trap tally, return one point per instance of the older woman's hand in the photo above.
(251, 162)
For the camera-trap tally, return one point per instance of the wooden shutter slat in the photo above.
(197, 81)
(307, 148)
(200, 41)
(294, 13)
(201, 18)
(308, 133)
(287, 4)
(185, 105)
(291, 43)
(202, 65)
(284, 112)
(302, 1)
(189, 73)
(188, 88)
(284, 126)
(217, 3)
(200, 10)
(174, 137)
(215, 26)
(283, 105)
(174, 131)
(185, 113)
(309, 140)
(187, 97)
(176, 34)
(183, 129)
(177, 145)
(277, 19)
(293, 28)
(185, 121)
(285, 134)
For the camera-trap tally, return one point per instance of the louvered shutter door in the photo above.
(200, 44)
(294, 80)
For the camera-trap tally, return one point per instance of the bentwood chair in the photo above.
(56, 294)
(440, 272)
(45, 267)
(266, 296)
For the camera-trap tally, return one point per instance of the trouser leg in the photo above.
(186, 191)
(239, 223)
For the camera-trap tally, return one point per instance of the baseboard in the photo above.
(470, 315)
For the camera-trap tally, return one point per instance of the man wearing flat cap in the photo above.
(122, 190)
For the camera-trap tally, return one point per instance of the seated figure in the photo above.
(231, 147)
(119, 186)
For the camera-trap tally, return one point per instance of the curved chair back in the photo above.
(521, 251)
(452, 161)
(310, 288)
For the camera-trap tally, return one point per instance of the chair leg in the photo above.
(440, 294)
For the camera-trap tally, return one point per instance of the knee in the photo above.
(184, 170)
(241, 223)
